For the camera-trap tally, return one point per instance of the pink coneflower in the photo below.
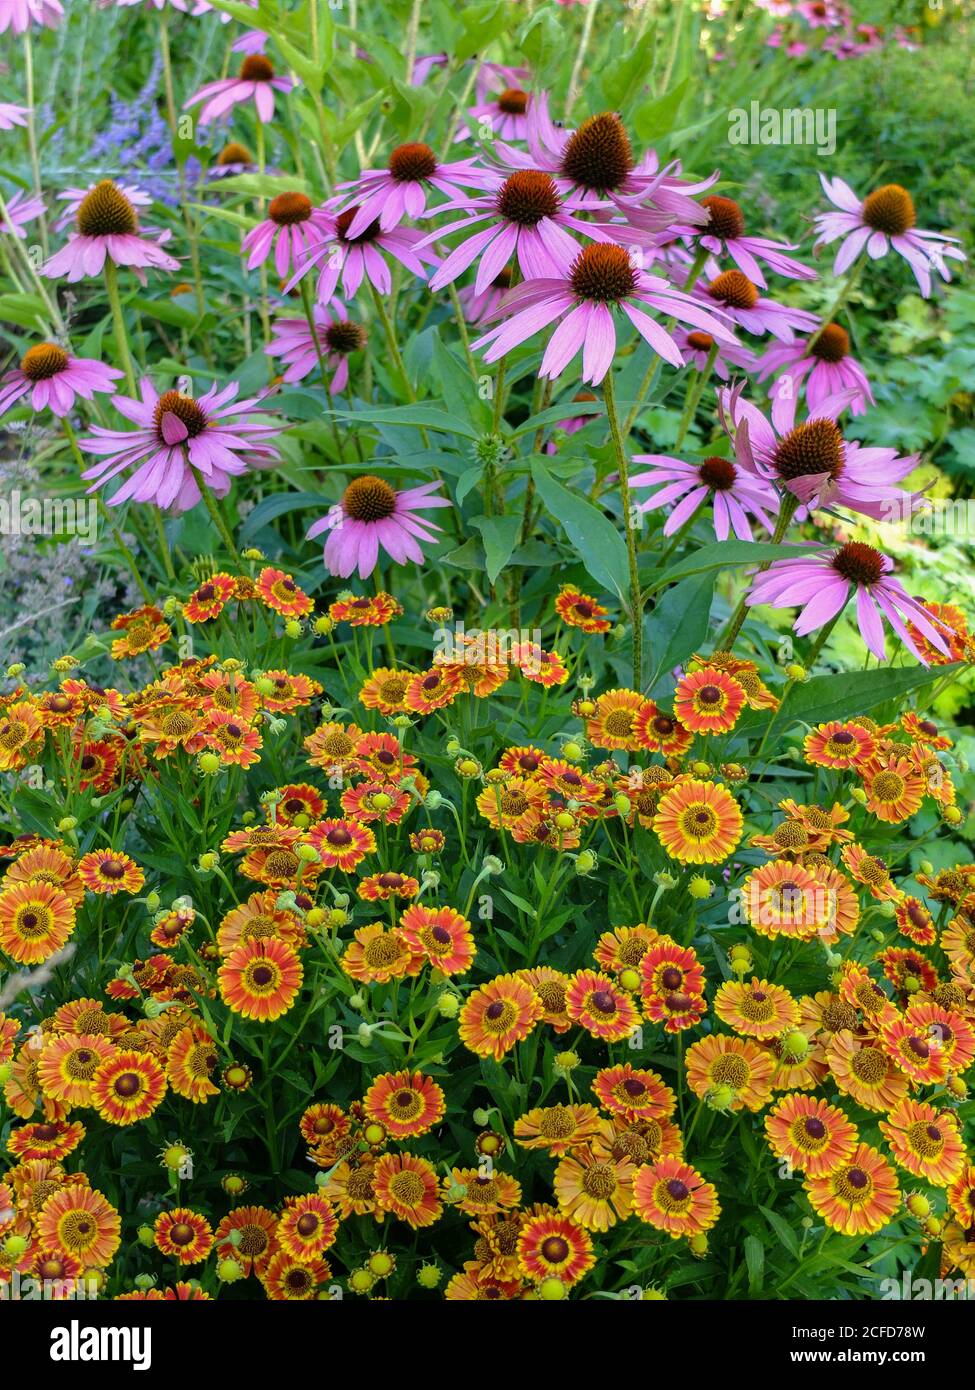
(400, 190)
(601, 278)
(256, 82)
(695, 348)
(292, 227)
(352, 259)
(18, 15)
(371, 515)
(826, 367)
(425, 64)
(53, 378)
(724, 235)
(204, 7)
(21, 209)
(734, 492)
(177, 438)
(11, 115)
(824, 14)
(821, 585)
(479, 306)
(812, 460)
(501, 104)
(108, 226)
(738, 297)
(596, 165)
(526, 219)
(883, 220)
(292, 341)
(74, 197)
(183, 5)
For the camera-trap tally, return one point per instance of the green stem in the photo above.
(695, 390)
(727, 641)
(316, 342)
(105, 514)
(636, 603)
(646, 386)
(162, 542)
(35, 161)
(118, 321)
(217, 518)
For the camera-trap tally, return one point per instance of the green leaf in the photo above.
(276, 505)
(500, 535)
(723, 555)
(754, 1262)
(656, 118)
(679, 623)
(422, 416)
(782, 1229)
(842, 696)
(599, 544)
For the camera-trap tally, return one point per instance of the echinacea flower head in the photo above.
(860, 1196)
(372, 515)
(595, 163)
(19, 15)
(724, 234)
(292, 226)
(179, 442)
(822, 584)
(21, 209)
(400, 190)
(823, 365)
(50, 376)
(256, 82)
(735, 494)
(334, 339)
(602, 278)
(739, 299)
(108, 228)
(882, 221)
(341, 256)
(527, 219)
(673, 1197)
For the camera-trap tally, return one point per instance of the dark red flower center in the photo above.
(413, 162)
(344, 221)
(256, 68)
(725, 218)
(604, 273)
(185, 408)
(527, 197)
(289, 208)
(513, 101)
(598, 156)
(344, 337)
(718, 474)
(733, 289)
(812, 448)
(832, 345)
(859, 563)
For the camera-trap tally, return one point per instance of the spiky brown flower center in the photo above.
(513, 101)
(527, 197)
(288, 208)
(234, 153)
(256, 68)
(344, 337)
(832, 345)
(603, 273)
(43, 361)
(598, 155)
(185, 408)
(733, 289)
(889, 209)
(859, 563)
(368, 499)
(413, 162)
(718, 474)
(106, 211)
(344, 221)
(812, 448)
(725, 218)
(700, 342)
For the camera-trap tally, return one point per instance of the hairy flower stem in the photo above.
(647, 385)
(35, 161)
(695, 390)
(788, 510)
(636, 600)
(845, 291)
(118, 323)
(216, 517)
(576, 77)
(313, 329)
